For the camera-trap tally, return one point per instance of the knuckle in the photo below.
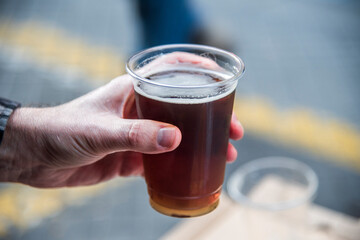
(134, 134)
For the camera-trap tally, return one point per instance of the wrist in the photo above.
(8, 150)
(16, 149)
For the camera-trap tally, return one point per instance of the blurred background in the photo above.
(299, 97)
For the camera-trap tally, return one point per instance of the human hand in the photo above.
(89, 140)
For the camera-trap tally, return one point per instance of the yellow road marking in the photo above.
(24, 207)
(301, 129)
(21, 206)
(53, 46)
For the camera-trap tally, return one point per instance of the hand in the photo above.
(86, 141)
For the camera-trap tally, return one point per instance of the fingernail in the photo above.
(166, 136)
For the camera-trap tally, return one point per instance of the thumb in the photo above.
(145, 136)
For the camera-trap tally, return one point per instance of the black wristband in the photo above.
(6, 109)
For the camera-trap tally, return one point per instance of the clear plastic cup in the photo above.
(275, 193)
(192, 87)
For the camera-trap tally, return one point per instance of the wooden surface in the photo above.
(233, 221)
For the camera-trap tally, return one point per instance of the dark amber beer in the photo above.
(198, 99)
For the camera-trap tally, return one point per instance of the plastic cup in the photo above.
(193, 88)
(275, 193)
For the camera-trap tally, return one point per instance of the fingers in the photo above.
(118, 89)
(236, 129)
(231, 153)
(167, 60)
(145, 136)
(184, 57)
(236, 133)
(132, 164)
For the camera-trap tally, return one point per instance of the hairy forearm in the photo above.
(40, 141)
(17, 148)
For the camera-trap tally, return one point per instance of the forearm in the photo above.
(16, 149)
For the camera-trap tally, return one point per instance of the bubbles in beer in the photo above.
(188, 85)
(184, 78)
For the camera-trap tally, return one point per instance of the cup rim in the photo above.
(237, 178)
(136, 56)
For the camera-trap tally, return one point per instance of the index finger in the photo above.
(166, 61)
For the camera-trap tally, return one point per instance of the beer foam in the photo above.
(181, 78)
(185, 76)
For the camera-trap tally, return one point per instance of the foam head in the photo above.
(183, 83)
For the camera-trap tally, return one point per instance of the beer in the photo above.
(192, 87)
(187, 181)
